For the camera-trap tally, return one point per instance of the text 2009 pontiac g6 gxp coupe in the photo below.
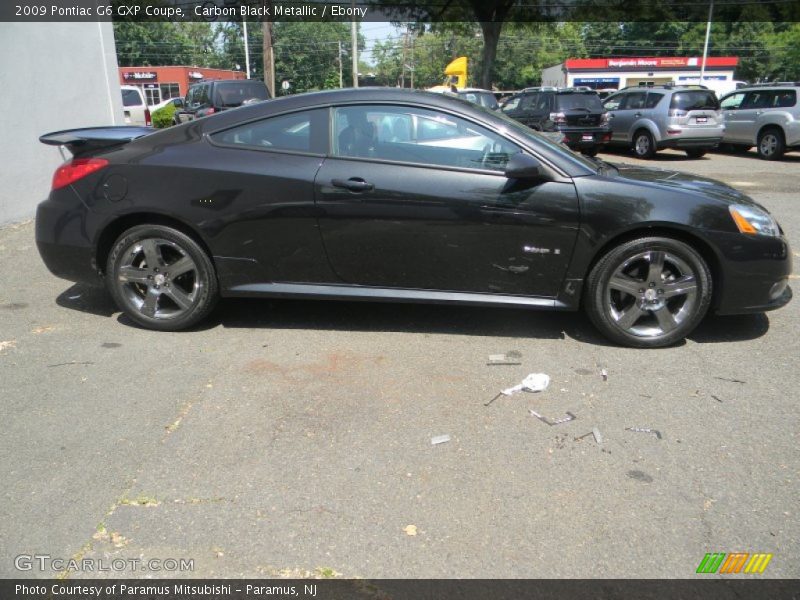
(380, 194)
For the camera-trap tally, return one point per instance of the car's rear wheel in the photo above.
(589, 151)
(696, 152)
(649, 292)
(771, 144)
(161, 278)
(643, 144)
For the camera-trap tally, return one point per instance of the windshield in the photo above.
(699, 100)
(579, 101)
(131, 98)
(233, 94)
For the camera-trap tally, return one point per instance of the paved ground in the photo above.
(294, 437)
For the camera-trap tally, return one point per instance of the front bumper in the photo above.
(754, 273)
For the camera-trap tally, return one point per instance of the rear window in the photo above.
(577, 101)
(131, 98)
(485, 99)
(233, 94)
(694, 100)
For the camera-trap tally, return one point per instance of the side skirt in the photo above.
(374, 294)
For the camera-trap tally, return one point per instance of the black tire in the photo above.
(696, 152)
(735, 148)
(771, 144)
(589, 151)
(643, 144)
(665, 315)
(151, 295)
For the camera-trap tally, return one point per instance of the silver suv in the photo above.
(648, 119)
(766, 116)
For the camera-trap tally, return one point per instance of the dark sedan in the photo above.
(391, 195)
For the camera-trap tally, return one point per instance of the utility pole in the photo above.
(705, 47)
(341, 73)
(246, 50)
(403, 60)
(354, 51)
(413, 66)
(269, 57)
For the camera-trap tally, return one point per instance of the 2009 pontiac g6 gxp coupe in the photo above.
(380, 194)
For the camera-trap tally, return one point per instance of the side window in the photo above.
(732, 102)
(785, 98)
(653, 99)
(419, 136)
(545, 103)
(201, 96)
(614, 102)
(635, 100)
(512, 104)
(529, 101)
(303, 131)
(760, 99)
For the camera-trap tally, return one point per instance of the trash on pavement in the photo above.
(655, 432)
(597, 436)
(440, 439)
(410, 529)
(551, 422)
(604, 374)
(504, 359)
(535, 382)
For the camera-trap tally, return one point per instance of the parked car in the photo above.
(135, 109)
(479, 96)
(766, 116)
(648, 119)
(209, 97)
(298, 198)
(176, 102)
(578, 113)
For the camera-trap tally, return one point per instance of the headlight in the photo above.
(754, 221)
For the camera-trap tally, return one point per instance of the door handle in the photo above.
(354, 184)
(637, 115)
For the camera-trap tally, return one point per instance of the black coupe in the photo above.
(391, 195)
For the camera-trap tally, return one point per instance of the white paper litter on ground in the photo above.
(535, 382)
(440, 439)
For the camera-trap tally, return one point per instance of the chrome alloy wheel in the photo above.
(651, 293)
(768, 144)
(642, 144)
(158, 278)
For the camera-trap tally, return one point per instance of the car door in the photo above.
(746, 123)
(523, 109)
(730, 106)
(613, 106)
(420, 201)
(630, 111)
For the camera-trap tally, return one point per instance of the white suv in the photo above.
(766, 116)
(135, 107)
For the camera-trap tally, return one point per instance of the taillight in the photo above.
(211, 111)
(558, 117)
(148, 120)
(604, 119)
(76, 169)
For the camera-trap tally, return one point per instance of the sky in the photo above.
(375, 31)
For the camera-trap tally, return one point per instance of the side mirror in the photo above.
(524, 166)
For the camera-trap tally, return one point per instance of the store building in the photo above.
(162, 83)
(617, 73)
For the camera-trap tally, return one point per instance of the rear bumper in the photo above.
(585, 137)
(690, 142)
(62, 238)
(755, 274)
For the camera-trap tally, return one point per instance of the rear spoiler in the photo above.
(92, 139)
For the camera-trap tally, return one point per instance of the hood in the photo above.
(685, 182)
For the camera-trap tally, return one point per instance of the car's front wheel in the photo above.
(649, 292)
(161, 278)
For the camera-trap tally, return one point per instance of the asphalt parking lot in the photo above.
(294, 438)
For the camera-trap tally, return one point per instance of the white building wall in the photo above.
(54, 76)
(554, 76)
